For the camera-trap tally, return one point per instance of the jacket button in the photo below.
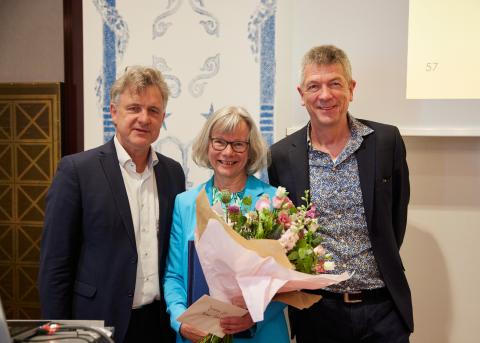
(130, 294)
(134, 260)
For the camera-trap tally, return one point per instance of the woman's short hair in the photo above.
(226, 120)
(137, 79)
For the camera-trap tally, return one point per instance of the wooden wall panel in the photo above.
(30, 116)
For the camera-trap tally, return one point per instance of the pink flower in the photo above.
(263, 202)
(319, 268)
(287, 203)
(284, 218)
(311, 213)
(289, 239)
(319, 250)
(233, 209)
(277, 202)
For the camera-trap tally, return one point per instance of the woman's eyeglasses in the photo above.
(219, 144)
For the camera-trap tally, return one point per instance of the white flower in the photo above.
(329, 265)
(281, 192)
(294, 217)
(289, 239)
(294, 228)
(251, 217)
(313, 226)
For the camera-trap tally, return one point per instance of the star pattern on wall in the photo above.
(167, 114)
(208, 114)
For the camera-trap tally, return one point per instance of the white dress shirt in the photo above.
(143, 199)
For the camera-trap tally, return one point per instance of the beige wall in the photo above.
(31, 41)
(441, 249)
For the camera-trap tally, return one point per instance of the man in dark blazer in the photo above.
(108, 217)
(357, 175)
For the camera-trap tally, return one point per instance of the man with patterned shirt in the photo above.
(357, 174)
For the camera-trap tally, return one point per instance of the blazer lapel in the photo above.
(109, 161)
(298, 164)
(366, 170)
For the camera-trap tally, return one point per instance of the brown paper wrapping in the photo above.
(263, 247)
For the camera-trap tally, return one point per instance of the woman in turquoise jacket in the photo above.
(232, 146)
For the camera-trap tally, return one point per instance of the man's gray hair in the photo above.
(136, 79)
(326, 55)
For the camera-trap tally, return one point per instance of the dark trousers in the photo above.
(148, 324)
(332, 320)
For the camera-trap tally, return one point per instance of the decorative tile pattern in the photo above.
(183, 148)
(209, 69)
(261, 33)
(173, 82)
(160, 27)
(211, 25)
(186, 40)
(115, 39)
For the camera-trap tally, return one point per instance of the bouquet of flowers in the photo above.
(295, 228)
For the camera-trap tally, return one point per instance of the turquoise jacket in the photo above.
(273, 328)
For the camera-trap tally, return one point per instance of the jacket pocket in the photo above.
(84, 289)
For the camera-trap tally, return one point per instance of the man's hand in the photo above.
(191, 333)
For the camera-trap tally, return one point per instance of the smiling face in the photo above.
(228, 165)
(326, 94)
(138, 118)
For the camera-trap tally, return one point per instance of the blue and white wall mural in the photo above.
(212, 53)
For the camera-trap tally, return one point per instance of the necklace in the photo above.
(236, 198)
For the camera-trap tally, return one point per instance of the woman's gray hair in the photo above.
(137, 79)
(226, 120)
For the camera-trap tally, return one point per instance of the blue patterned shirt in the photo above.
(335, 189)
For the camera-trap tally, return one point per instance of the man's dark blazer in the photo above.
(385, 188)
(88, 260)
